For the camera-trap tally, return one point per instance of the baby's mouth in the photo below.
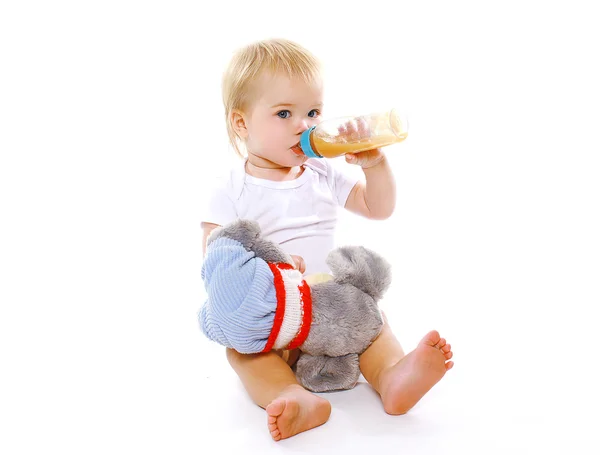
(297, 150)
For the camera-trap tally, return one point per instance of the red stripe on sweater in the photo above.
(280, 311)
(306, 303)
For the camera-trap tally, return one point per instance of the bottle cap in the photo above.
(305, 144)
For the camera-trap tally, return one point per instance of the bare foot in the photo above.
(296, 410)
(402, 385)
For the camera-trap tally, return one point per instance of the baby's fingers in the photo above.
(299, 263)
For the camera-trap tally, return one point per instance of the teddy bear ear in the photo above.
(244, 231)
(271, 252)
(248, 233)
(362, 268)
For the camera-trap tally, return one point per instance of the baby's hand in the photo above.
(358, 130)
(354, 130)
(299, 263)
(366, 159)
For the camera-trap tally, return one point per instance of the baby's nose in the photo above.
(302, 126)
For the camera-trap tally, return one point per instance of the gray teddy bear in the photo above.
(257, 301)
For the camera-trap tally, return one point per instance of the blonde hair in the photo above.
(275, 56)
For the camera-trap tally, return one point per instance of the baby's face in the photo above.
(282, 110)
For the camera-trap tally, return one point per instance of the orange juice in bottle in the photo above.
(336, 137)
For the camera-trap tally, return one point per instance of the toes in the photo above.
(432, 338)
(446, 348)
(448, 355)
(449, 365)
(275, 409)
(273, 428)
(440, 344)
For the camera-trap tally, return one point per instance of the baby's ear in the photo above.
(362, 268)
(238, 123)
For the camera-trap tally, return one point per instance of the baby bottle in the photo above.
(336, 137)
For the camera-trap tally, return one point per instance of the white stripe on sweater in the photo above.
(292, 317)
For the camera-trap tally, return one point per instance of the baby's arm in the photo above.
(374, 198)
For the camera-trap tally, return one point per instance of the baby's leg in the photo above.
(272, 385)
(402, 380)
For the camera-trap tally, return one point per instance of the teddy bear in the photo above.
(258, 301)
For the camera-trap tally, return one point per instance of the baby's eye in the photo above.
(314, 113)
(284, 114)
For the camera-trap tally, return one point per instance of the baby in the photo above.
(272, 92)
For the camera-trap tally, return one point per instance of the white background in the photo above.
(110, 126)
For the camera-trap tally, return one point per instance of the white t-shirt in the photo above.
(300, 214)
